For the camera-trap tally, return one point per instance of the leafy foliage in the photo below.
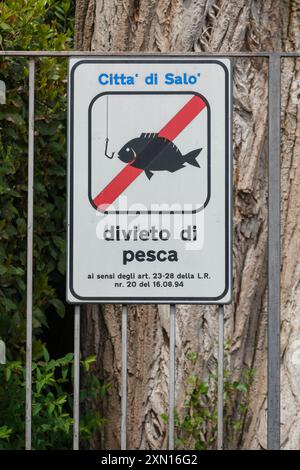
(52, 405)
(36, 25)
(198, 426)
(32, 24)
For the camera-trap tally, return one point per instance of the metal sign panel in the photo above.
(149, 200)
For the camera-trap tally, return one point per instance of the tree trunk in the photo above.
(211, 25)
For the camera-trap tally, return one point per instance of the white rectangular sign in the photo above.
(149, 199)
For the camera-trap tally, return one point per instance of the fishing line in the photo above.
(106, 117)
(107, 139)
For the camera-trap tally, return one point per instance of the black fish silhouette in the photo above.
(150, 152)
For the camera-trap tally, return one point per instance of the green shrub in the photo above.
(196, 424)
(29, 25)
(52, 403)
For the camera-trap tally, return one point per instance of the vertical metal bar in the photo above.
(28, 414)
(172, 375)
(220, 376)
(274, 254)
(124, 379)
(76, 409)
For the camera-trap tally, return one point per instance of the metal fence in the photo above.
(273, 430)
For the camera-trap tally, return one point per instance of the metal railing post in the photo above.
(124, 378)
(274, 263)
(76, 401)
(220, 376)
(172, 353)
(28, 413)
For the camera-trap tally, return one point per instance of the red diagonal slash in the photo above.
(171, 130)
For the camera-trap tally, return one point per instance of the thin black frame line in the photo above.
(228, 191)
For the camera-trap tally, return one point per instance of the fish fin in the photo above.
(191, 157)
(148, 135)
(172, 170)
(149, 174)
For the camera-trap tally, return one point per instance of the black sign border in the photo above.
(228, 192)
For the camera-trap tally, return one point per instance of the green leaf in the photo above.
(5, 432)
(46, 354)
(61, 400)
(36, 408)
(7, 373)
(59, 307)
(203, 388)
(5, 27)
(242, 387)
(15, 118)
(164, 417)
(51, 408)
(88, 361)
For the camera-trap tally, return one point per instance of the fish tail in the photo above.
(191, 157)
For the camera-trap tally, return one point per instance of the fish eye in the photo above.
(128, 149)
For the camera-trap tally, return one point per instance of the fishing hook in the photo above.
(106, 146)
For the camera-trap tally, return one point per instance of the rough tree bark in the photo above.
(211, 25)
